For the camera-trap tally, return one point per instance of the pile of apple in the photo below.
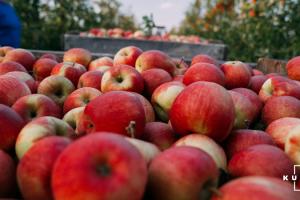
(146, 126)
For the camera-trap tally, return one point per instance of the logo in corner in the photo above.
(293, 178)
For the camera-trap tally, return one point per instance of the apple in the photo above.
(72, 118)
(36, 105)
(90, 79)
(7, 175)
(178, 78)
(72, 71)
(256, 82)
(257, 72)
(106, 167)
(127, 56)
(204, 72)
(149, 112)
(117, 111)
(206, 144)
(160, 134)
(11, 89)
(279, 107)
(237, 74)
(99, 62)
(42, 68)
(167, 169)
(256, 161)
(34, 169)
(280, 128)
(270, 75)
(4, 50)
(181, 66)
(155, 59)
(25, 78)
(241, 139)
(291, 145)
(40, 128)
(50, 56)
(11, 66)
(154, 78)
(205, 108)
(255, 188)
(22, 56)
(56, 87)
(79, 98)
(78, 55)
(203, 58)
(163, 98)
(292, 68)
(122, 77)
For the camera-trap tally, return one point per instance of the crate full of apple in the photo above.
(144, 125)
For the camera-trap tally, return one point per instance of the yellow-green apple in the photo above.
(35, 168)
(106, 167)
(257, 72)
(117, 111)
(292, 144)
(256, 160)
(279, 107)
(79, 98)
(203, 58)
(7, 175)
(5, 49)
(154, 78)
(181, 66)
(122, 77)
(40, 128)
(243, 138)
(10, 125)
(256, 82)
(42, 68)
(90, 79)
(181, 173)
(56, 87)
(205, 108)
(256, 188)
(147, 149)
(22, 56)
(160, 134)
(207, 145)
(280, 128)
(73, 116)
(204, 72)
(11, 66)
(292, 68)
(78, 55)
(237, 74)
(11, 89)
(71, 71)
(279, 86)
(25, 78)
(155, 59)
(127, 56)
(163, 98)
(50, 56)
(36, 105)
(100, 62)
(149, 112)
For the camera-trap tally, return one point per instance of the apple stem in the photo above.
(131, 129)
(215, 191)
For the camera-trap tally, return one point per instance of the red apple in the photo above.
(292, 144)
(56, 87)
(160, 134)
(149, 112)
(257, 72)
(181, 66)
(90, 79)
(36, 105)
(22, 56)
(35, 169)
(50, 56)
(256, 188)
(122, 77)
(204, 108)
(204, 72)
(202, 58)
(7, 175)
(256, 82)
(178, 78)
(100, 62)
(79, 98)
(106, 167)
(154, 78)
(78, 55)
(117, 111)
(155, 59)
(25, 78)
(256, 161)
(42, 68)
(11, 66)
(279, 129)
(279, 107)
(4, 50)
(127, 56)
(181, 173)
(241, 139)
(292, 68)
(72, 118)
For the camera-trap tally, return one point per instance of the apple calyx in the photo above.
(131, 129)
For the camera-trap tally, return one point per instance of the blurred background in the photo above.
(250, 28)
